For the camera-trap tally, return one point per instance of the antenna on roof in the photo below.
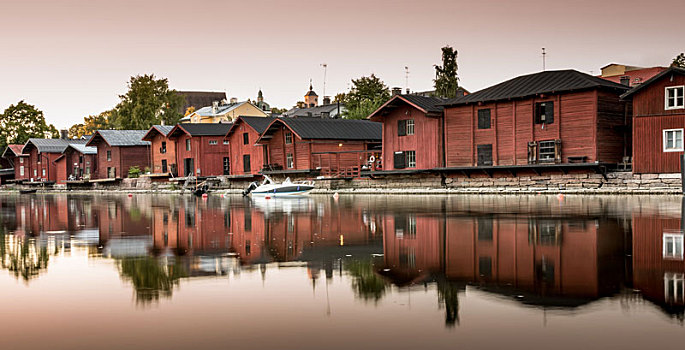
(325, 67)
(543, 59)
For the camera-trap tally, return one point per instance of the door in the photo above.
(188, 165)
(484, 155)
(399, 160)
(246, 164)
(164, 166)
(111, 172)
(227, 166)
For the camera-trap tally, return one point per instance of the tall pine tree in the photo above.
(446, 80)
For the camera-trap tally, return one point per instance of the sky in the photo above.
(73, 58)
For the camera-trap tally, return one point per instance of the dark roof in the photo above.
(199, 99)
(160, 129)
(538, 83)
(120, 138)
(332, 129)
(259, 124)
(51, 145)
(15, 149)
(311, 93)
(315, 111)
(201, 129)
(670, 70)
(430, 105)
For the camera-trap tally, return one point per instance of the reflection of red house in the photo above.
(658, 122)
(201, 149)
(333, 145)
(118, 151)
(548, 117)
(162, 150)
(247, 157)
(19, 161)
(412, 132)
(658, 265)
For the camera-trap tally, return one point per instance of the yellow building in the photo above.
(223, 113)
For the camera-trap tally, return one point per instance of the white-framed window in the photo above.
(21, 160)
(225, 142)
(675, 97)
(187, 144)
(410, 126)
(289, 160)
(673, 246)
(411, 158)
(43, 173)
(288, 138)
(21, 170)
(35, 173)
(674, 285)
(213, 142)
(673, 140)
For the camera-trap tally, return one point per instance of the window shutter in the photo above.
(549, 112)
(532, 152)
(399, 160)
(557, 151)
(401, 127)
(484, 119)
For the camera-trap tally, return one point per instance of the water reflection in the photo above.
(547, 253)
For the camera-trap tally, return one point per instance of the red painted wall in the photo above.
(426, 141)
(238, 149)
(156, 156)
(208, 158)
(123, 158)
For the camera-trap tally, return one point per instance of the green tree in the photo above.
(446, 82)
(92, 123)
(149, 101)
(23, 121)
(366, 95)
(679, 61)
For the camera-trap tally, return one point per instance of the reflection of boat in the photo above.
(286, 204)
(28, 191)
(273, 189)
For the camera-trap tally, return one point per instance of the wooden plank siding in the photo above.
(238, 149)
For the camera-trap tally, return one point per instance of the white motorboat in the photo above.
(273, 189)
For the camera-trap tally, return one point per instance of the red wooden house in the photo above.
(19, 161)
(247, 157)
(162, 150)
(412, 132)
(42, 156)
(77, 162)
(118, 151)
(658, 122)
(201, 149)
(333, 146)
(551, 117)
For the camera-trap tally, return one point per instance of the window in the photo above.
(163, 148)
(246, 139)
(484, 118)
(187, 144)
(164, 166)
(485, 266)
(190, 218)
(410, 126)
(673, 140)
(399, 160)
(213, 142)
(405, 226)
(673, 246)
(675, 97)
(674, 285)
(43, 173)
(21, 160)
(544, 112)
(109, 156)
(21, 170)
(35, 172)
(410, 159)
(547, 151)
(289, 160)
(225, 142)
(247, 216)
(485, 229)
(288, 138)
(484, 153)
(544, 232)
(227, 166)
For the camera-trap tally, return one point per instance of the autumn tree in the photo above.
(147, 102)
(446, 82)
(366, 95)
(679, 61)
(23, 121)
(91, 124)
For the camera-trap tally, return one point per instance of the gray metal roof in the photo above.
(51, 145)
(539, 83)
(220, 110)
(334, 129)
(83, 149)
(120, 138)
(331, 109)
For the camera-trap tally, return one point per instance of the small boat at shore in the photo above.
(28, 190)
(271, 188)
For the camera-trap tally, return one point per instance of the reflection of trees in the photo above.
(365, 282)
(151, 278)
(22, 256)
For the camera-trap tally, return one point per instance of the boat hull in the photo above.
(282, 191)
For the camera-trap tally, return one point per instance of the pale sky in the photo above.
(73, 58)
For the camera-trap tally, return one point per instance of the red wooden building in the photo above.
(201, 149)
(77, 162)
(162, 150)
(19, 161)
(337, 147)
(118, 151)
(658, 122)
(412, 132)
(42, 156)
(551, 117)
(246, 156)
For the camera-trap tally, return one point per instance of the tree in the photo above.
(366, 95)
(92, 123)
(446, 80)
(679, 61)
(149, 101)
(23, 121)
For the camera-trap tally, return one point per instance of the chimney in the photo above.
(162, 122)
(64, 134)
(396, 91)
(215, 106)
(326, 100)
(234, 100)
(408, 91)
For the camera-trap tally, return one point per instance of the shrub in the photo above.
(134, 172)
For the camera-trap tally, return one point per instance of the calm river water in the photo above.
(385, 272)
